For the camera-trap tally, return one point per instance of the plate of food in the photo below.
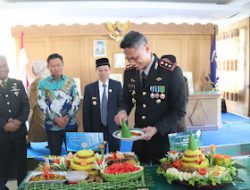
(52, 177)
(133, 134)
(197, 169)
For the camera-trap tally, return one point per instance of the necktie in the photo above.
(4, 84)
(104, 106)
(143, 78)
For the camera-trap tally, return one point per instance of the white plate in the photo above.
(117, 134)
(75, 176)
(34, 173)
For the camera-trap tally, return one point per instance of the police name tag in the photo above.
(83, 140)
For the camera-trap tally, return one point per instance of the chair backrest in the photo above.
(83, 140)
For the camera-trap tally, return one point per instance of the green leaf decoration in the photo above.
(192, 145)
(125, 131)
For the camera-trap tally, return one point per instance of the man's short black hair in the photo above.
(54, 56)
(133, 39)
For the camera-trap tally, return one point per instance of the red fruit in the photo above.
(202, 171)
(120, 168)
(177, 164)
(57, 161)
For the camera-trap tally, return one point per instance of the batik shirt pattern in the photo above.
(57, 98)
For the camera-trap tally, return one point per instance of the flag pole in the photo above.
(213, 56)
(23, 60)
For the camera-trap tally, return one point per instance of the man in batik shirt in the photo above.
(58, 98)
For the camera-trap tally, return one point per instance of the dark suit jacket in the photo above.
(91, 106)
(163, 113)
(14, 104)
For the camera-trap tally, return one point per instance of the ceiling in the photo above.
(28, 12)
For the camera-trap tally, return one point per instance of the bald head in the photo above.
(4, 68)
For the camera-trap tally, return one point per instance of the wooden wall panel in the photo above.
(198, 59)
(169, 45)
(189, 43)
(36, 50)
(69, 48)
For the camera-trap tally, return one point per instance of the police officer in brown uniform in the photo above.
(13, 114)
(157, 89)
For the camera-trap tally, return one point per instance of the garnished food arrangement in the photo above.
(128, 134)
(195, 168)
(88, 167)
(84, 161)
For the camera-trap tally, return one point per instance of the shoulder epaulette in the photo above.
(167, 65)
(129, 67)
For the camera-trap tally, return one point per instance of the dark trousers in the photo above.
(56, 139)
(15, 149)
(113, 143)
(150, 152)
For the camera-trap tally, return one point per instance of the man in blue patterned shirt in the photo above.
(58, 98)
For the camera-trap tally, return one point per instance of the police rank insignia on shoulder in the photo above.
(167, 65)
(129, 67)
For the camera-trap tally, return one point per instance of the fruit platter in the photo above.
(197, 169)
(88, 170)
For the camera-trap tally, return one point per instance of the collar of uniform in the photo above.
(146, 71)
(100, 83)
(61, 78)
(4, 80)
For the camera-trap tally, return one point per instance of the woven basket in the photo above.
(126, 185)
(122, 177)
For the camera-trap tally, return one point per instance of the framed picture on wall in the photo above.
(99, 48)
(119, 60)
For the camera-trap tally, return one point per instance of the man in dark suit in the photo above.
(157, 89)
(101, 103)
(13, 114)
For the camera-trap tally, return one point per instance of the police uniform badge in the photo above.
(168, 65)
(158, 79)
(132, 80)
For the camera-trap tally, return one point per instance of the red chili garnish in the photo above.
(57, 161)
(136, 134)
(177, 164)
(99, 161)
(114, 155)
(46, 172)
(202, 171)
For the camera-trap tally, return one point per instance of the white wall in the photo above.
(8, 48)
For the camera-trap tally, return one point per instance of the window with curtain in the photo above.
(231, 63)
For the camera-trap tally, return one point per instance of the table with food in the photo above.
(194, 168)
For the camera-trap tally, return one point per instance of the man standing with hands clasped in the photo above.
(59, 100)
(158, 91)
(101, 103)
(13, 115)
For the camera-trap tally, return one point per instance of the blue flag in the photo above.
(213, 56)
